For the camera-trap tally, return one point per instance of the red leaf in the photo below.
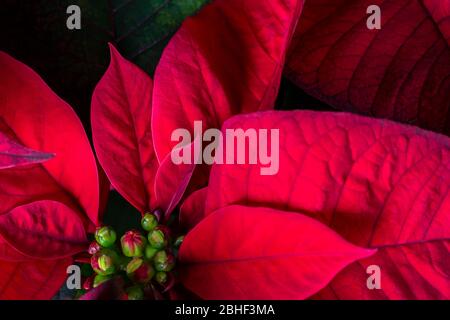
(8, 253)
(109, 290)
(225, 60)
(13, 154)
(23, 185)
(44, 229)
(261, 253)
(32, 280)
(377, 183)
(401, 71)
(121, 112)
(40, 120)
(193, 208)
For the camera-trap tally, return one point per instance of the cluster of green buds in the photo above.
(145, 258)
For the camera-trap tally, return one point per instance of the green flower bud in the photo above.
(133, 265)
(161, 277)
(99, 279)
(133, 244)
(104, 262)
(135, 293)
(157, 239)
(140, 271)
(150, 252)
(164, 261)
(149, 222)
(105, 236)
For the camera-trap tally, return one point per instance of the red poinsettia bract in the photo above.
(49, 198)
(400, 71)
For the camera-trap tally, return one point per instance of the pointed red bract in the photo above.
(12, 154)
(225, 60)
(121, 112)
(32, 280)
(40, 120)
(377, 183)
(172, 179)
(44, 229)
(260, 253)
(401, 71)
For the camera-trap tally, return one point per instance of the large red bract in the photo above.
(400, 72)
(49, 189)
(378, 184)
(261, 253)
(226, 60)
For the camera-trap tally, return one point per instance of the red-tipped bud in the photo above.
(149, 222)
(104, 262)
(134, 293)
(105, 236)
(164, 261)
(140, 271)
(133, 244)
(94, 247)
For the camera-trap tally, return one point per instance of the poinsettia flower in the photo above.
(307, 253)
(49, 198)
(400, 71)
(346, 183)
(129, 148)
(378, 184)
(305, 184)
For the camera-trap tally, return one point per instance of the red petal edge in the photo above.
(260, 253)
